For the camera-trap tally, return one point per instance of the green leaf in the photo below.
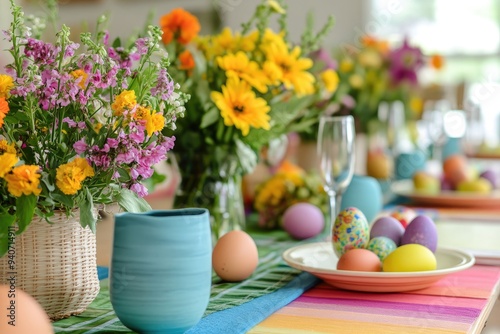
(87, 211)
(210, 117)
(130, 202)
(25, 209)
(6, 220)
(117, 43)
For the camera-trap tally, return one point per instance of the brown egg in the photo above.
(359, 259)
(378, 165)
(456, 170)
(235, 256)
(21, 313)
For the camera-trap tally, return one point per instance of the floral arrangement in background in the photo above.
(80, 124)
(377, 72)
(289, 185)
(246, 87)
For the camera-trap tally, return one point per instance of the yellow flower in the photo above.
(5, 147)
(97, 127)
(346, 65)
(272, 38)
(356, 81)
(330, 79)
(6, 84)
(240, 66)
(24, 180)
(7, 161)
(294, 68)
(271, 193)
(273, 72)
(142, 113)
(416, 105)
(370, 58)
(240, 107)
(77, 74)
(126, 100)
(155, 123)
(69, 177)
(276, 6)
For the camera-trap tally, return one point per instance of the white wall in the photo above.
(349, 17)
(126, 16)
(4, 25)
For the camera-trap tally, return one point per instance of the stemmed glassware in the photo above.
(336, 157)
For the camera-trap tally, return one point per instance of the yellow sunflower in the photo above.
(241, 66)
(240, 107)
(294, 68)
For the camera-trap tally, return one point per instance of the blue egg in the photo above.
(382, 246)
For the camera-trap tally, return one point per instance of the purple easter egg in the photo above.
(388, 227)
(490, 176)
(303, 220)
(421, 230)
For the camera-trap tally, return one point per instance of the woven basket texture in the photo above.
(56, 264)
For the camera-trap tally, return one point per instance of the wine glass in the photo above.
(336, 156)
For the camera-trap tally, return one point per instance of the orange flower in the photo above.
(179, 24)
(4, 109)
(437, 62)
(187, 60)
(378, 44)
(289, 167)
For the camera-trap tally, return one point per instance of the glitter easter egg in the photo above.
(351, 230)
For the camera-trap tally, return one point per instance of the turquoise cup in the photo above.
(161, 269)
(364, 193)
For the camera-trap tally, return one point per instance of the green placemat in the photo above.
(271, 274)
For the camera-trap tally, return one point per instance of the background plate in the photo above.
(320, 260)
(446, 198)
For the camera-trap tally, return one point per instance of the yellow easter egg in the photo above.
(410, 257)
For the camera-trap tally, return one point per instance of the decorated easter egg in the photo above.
(423, 231)
(403, 214)
(381, 246)
(359, 259)
(388, 227)
(410, 257)
(303, 220)
(350, 230)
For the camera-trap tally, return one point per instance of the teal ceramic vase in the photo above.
(364, 193)
(161, 266)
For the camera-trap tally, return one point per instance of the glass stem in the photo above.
(338, 202)
(332, 196)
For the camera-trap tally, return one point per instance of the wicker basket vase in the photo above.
(56, 264)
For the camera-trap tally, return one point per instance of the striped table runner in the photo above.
(271, 275)
(455, 304)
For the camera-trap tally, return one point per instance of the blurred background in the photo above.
(466, 33)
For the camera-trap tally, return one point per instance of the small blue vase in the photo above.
(364, 193)
(161, 269)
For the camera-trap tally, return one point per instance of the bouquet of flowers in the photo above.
(375, 72)
(288, 186)
(80, 125)
(246, 88)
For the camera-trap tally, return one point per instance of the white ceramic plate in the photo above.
(446, 198)
(320, 260)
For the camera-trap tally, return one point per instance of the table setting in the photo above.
(174, 154)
